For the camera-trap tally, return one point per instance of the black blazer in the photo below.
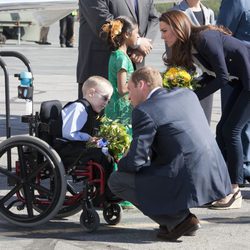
(174, 155)
(225, 56)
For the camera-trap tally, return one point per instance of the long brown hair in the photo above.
(187, 36)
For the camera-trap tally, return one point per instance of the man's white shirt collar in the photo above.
(152, 91)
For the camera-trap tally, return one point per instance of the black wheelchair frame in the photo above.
(35, 185)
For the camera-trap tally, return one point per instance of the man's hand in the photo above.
(145, 45)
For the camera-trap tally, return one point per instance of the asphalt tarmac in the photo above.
(54, 78)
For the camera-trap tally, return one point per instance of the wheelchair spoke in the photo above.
(33, 177)
(28, 192)
(42, 189)
(37, 170)
(10, 194)
(10, 174)
(21, 156)
(28, 196)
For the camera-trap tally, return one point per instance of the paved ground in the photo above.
(54, 74)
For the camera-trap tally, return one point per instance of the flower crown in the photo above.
(114, 27)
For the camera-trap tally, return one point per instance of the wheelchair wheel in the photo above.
(71, 205)
(65, 210)
(31, 175)
(69, 210)
(89, 220)
(112, 213)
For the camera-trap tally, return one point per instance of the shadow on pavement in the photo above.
(17, 127)
(229, 220)
(72, 231)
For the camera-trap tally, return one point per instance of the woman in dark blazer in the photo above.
(226, 61)
(199, 14)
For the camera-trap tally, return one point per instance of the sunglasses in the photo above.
(105, 98)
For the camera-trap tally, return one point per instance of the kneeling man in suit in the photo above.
(173, 162)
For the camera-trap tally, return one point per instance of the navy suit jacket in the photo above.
(224, 55)
(175, 158)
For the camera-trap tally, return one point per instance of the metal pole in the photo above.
(27, 64)
(7, 107)
(19, 56)
(7, 97)
(18, 34)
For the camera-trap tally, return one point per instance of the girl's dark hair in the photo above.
(114, 30)
(187, 36)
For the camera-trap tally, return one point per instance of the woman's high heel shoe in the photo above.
(233, 203)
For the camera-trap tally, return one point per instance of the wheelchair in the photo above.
(36, 186)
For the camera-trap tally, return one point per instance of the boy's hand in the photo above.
(93, 139)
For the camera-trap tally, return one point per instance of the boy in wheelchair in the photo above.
(78, 125)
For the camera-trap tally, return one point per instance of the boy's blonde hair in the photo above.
(93, 82)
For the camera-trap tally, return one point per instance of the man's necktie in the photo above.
(134, 4)
(136, 8)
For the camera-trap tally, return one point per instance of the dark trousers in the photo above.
(226, 92)
(207, 106)
(76, 154)
(235, 117)
(66, 30)
(123, 185)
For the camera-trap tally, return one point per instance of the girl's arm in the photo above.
(122, 82)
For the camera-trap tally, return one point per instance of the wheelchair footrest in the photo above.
(76, 187)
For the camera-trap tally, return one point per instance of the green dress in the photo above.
(119, 107)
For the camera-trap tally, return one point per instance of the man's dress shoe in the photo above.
(187, 227)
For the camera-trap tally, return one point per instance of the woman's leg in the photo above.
(231, 132)
(228, 101)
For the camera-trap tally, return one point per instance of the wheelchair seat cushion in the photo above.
(50, 114)
(50, 110)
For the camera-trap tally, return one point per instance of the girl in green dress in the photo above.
(121, 34)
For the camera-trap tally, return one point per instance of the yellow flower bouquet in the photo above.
(114, 136)
(179, 77)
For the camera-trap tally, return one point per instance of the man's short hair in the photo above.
(148, 74)
(93, 82)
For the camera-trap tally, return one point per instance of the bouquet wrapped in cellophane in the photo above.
(114, 136)
(179, 77)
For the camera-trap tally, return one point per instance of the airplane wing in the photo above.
(31, 15)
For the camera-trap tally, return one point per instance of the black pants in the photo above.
(235, 116)
(76, 154)
(207, 106)
(123, 186)
(66, 30)
(226, 95)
